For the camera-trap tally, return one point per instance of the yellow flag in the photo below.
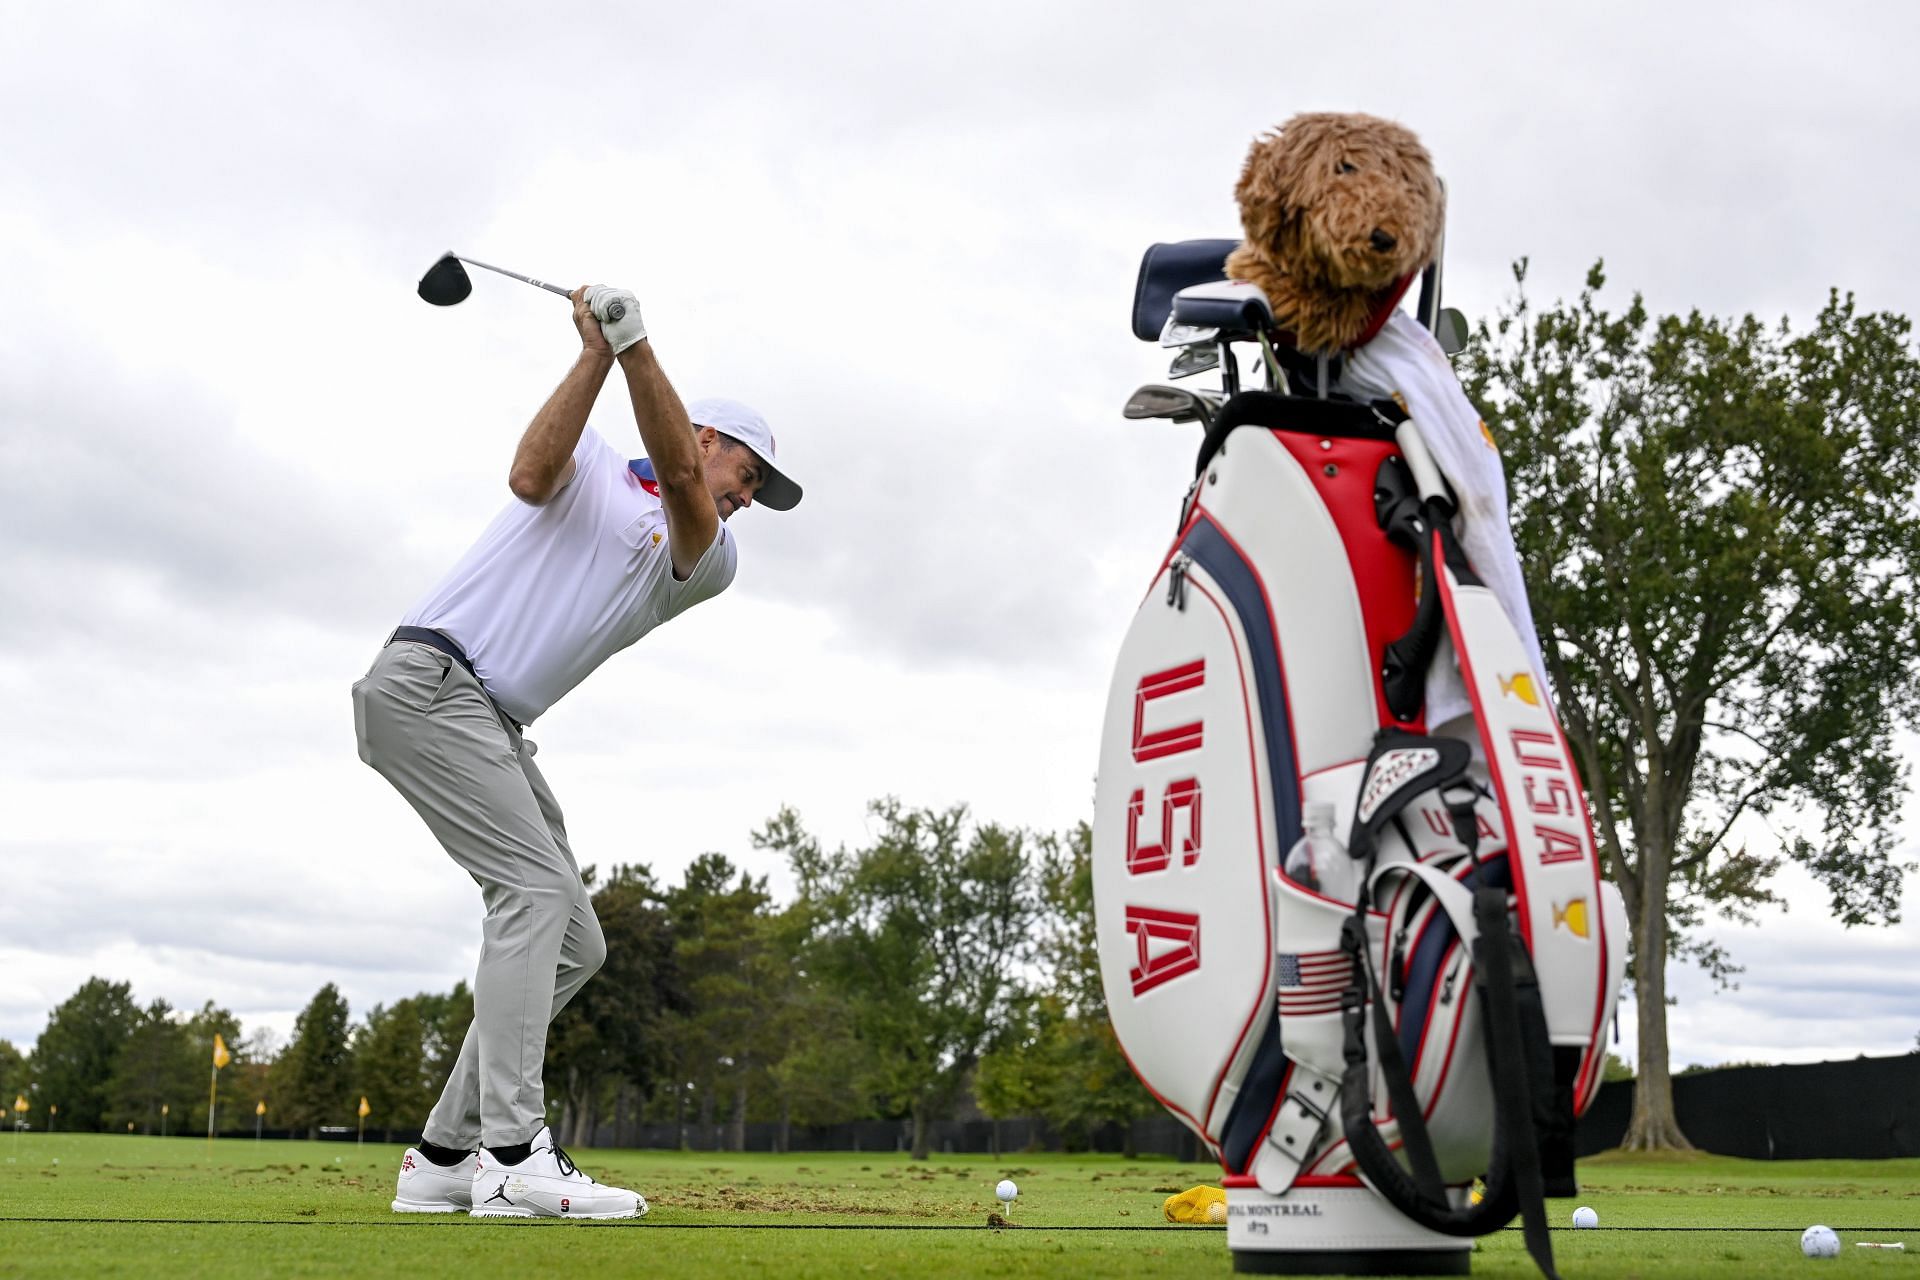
(365, 1110)
(220, 1055)
(20, 1102)
(261, 1108)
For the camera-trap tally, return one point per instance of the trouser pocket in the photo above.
(360, 720)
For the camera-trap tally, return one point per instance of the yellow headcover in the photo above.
(1200, 1204)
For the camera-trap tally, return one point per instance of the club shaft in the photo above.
(551, 288)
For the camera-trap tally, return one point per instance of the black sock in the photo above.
(445, 1157)
(511, 1155)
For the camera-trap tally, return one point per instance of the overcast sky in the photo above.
(234, 446)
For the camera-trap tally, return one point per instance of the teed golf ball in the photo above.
(1585, 1217)
(1819, 1242)
(1006, 1190)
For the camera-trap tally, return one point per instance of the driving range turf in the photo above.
(139, 1206)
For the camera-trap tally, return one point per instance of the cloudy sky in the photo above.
(234, 446)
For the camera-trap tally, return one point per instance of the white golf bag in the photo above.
(1354, 1065)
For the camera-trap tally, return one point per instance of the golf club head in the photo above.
(446, 282)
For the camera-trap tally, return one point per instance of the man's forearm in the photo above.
(549, 440)
(661, 418)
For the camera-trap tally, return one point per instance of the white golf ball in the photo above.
(1585, 1217)
(1819, 1242)
(1006, 1190)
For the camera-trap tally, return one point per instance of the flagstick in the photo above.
(213, 1093)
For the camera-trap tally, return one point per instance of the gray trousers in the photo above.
(425, 724)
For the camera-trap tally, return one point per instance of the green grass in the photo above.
(151, 1207)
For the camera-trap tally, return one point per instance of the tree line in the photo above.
(946, 959)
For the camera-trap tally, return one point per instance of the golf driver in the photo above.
(446, 283)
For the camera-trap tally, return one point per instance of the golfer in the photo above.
(594, 552)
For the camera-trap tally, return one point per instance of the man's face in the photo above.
(734, 472)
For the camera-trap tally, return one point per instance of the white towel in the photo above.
(1403, 360)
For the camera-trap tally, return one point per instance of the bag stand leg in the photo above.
(1334, 1226)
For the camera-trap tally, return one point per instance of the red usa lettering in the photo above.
(1180, 796)
(1177, 932)
(1548, 789)
(1153, 744)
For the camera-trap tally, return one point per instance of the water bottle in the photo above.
(1318, 861)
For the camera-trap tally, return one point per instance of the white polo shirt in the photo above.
(549, 593)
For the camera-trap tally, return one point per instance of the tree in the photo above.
(154, 1068)
(1059, 1058)
(393, 1066)
(727, 950)
(75, 1057)
(814, 1073)
(609, 1037)
(1717, 524)
(311, 1079)
(444, 1021)
(921, 933)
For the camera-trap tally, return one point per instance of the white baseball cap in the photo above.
(745, 424)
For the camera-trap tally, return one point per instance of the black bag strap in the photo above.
(1514, 1184)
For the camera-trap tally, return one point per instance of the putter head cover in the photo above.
(618, 312)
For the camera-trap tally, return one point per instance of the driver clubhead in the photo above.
(446, 282)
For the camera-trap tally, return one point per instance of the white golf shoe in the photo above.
(426, 1187)
(547, 1184)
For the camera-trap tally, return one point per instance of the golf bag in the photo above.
(1354, 1060)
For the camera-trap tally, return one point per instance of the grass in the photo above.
(135, 1206)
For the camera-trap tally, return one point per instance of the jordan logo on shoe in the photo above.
(499, 1193)
(406, 1165)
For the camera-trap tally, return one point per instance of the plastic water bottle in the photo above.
(1318, 861)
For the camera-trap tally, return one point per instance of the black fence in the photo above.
(1866, 1109)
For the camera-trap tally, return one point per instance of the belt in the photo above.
(445, 644)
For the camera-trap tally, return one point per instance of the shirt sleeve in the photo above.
(709, 578)
(593, 451)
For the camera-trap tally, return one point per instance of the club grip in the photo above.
(616, 312)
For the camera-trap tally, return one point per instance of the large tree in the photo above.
(393, 1068)
(737, 982)
(1717, 520)
(155, 1069)
(922, 933)
(608, 1040)
(1059, 1058)
(312, 1078)
(76, 1056)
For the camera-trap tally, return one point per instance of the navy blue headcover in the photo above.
(1165, 271)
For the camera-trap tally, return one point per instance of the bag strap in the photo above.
(1513, 1175)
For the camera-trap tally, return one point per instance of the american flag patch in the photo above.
(1312, 982)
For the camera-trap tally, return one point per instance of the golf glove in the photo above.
(608, 302)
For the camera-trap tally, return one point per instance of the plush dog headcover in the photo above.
(1339, 212)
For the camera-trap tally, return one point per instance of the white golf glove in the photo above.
(607, 302)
